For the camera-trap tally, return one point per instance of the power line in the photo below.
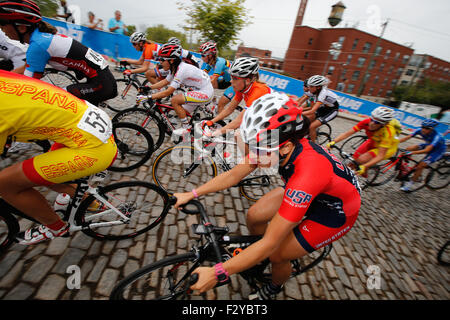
(421, 28)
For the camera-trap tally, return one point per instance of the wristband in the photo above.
(195, 193)
(221, 274)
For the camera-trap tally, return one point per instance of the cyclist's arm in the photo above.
(20, 70)
(427, 149)
(302, 99)
(145, 66)
(313, 109)
(227, 111)
(160, 84)
(233, 124)
(163, 94)
(223, 181)
(132, 61)
(405, 138)
(344, 135)
(214, 83)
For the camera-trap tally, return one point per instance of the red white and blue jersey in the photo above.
(62, 53)
(315, 174)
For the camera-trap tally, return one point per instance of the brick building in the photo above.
(308, 54)
(423, 66)
(265, 57)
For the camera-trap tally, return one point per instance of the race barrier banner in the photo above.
(119, 46)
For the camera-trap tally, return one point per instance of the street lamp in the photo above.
(337, 12)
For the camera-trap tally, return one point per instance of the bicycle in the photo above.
(365, 180)
(115, 211)
(171, 277)
(190, 166)
(443, 256)
(134, 146)
(158, 118)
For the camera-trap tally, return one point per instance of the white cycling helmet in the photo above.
(174, 40)
(137, 37)
(271, 120)
(383, 114)
(244, 67)
(317, 81)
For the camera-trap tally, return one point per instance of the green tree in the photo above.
(436, 93)
(48, 7)
(161, 34)
(131, 29)
(217, 20)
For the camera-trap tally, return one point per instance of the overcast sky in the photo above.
(423, 24)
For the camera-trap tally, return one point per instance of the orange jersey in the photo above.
(150, 51)
(256, 90)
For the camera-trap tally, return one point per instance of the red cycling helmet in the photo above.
(170, 51)
(208, 48)
(25, 12)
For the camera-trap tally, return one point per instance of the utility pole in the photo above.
(363, 82)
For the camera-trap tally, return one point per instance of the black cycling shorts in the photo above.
(97, 89)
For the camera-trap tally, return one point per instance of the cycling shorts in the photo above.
(97, 89)
(433, 156)
(63, 164)
(193, 99)
(229, 93)
(325, 114)
(326, 220)
(370, 147)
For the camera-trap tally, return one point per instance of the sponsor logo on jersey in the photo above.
(297, 198)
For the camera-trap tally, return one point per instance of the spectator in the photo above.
(116, 25)
(94, 23)
(64, 12)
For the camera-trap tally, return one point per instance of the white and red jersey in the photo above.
(190, 77)
(12, 50)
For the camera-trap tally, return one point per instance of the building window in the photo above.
(388, 93)
(266, 54)
(370, 91)
(382, 67)
(399, 71)
(306, 54)
(409, 72)
(310, 41)
(355, 43)
(391, 68)
(361, 62)
(394, 83)
(396, 56)
(380, 92)
(405, 59)
(367, 77)
(302, 68)
(331, 70)
(404, 83)
(366, 47)
(378, 50)
(372, 64)
(388, 53)
(343, 73)
(385, 81)
(349, 58)
(355, 75)
(375, 80)
(341, 40)
(350, 88)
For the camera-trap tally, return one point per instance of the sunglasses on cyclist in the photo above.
(376, 121)
(266, 151)
(237, 78)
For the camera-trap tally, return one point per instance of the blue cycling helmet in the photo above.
(429, 123)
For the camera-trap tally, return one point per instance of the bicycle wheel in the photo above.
(322, 138)
(350, 145)
(166, 279)
(387, 172)
(9, 227)
(146, 119)
(256, 185)
(144, 203)
(134, 146)
(426, 172)
(443, 256)
(368, 179)
(181, 168)
(58, 78)
(439, 177)
(324, 128)
(126, 98)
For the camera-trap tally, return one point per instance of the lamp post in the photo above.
(336, 14)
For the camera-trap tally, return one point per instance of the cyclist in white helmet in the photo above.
(325, 108)
(244, 79)
(13, 54)
(382, 130)
(149, 51)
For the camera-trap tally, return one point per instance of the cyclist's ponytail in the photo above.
(46, 27)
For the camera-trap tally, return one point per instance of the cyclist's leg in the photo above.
(263, 211)
(312, 129)
(152, 76)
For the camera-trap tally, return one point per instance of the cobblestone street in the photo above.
(398, 233)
